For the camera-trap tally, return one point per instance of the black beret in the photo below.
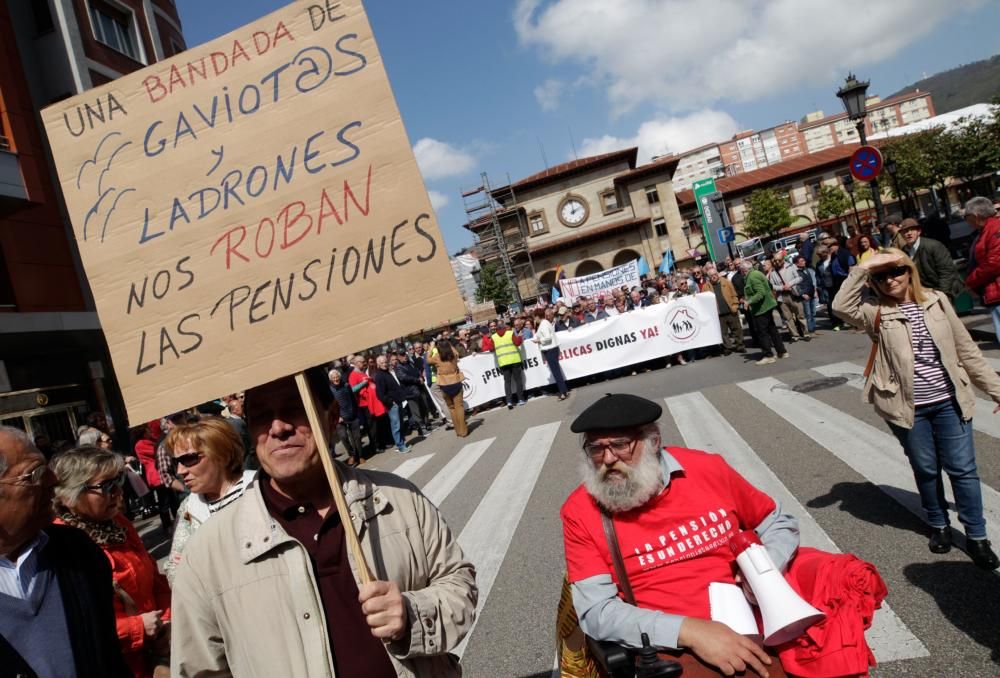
(616, 410)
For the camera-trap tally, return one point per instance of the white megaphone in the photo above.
(786, 615)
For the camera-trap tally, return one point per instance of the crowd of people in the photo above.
(79, 588)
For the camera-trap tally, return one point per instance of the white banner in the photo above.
(601, 283)
(633, 337)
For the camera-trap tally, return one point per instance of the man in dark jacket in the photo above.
(934, 263)
(390, 392)
(56, 567)
(348, 421)
(412, 384)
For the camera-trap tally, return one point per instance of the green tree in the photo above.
(973, 148)
(863, 194)
(767, 213)
(493, 286)
(831, 202)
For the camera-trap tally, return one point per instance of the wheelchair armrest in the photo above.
(617, 660)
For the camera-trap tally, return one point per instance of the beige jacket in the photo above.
(890, 386)
(246, 603)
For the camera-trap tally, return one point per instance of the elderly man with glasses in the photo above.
(56, 598)
(649, 530)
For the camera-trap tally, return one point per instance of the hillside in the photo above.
(973, 83)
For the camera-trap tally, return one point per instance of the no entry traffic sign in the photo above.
(866, 163)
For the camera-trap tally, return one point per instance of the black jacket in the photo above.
(346, 400)
(409, 379)
(936, 267)
(387, 390)
(84, 577)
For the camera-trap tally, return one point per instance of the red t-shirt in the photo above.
(675, 545)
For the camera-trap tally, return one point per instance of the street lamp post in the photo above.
(849, 185)
(853, 94)
(890, 167)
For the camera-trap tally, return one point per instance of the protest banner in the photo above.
(634, 337)
(249, 208)
(600, 283)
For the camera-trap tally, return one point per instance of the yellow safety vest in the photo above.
(507, 353)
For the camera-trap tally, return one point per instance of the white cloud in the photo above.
(438, 199)
(686, 54)
(668, 134)
(548, 94)
(439, 159)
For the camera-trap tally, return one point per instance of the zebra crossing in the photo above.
(485, 486)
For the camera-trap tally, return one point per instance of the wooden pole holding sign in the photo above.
(333, 478)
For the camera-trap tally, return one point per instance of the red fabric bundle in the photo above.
(848, 590)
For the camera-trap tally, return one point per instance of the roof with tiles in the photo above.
(787, 169)
(573, 167)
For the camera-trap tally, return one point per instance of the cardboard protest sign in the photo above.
(249, 208)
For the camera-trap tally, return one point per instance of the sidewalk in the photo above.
(980, 325)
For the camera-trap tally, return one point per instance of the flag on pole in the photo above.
(560, 275)
(667, 264)
(643, 267)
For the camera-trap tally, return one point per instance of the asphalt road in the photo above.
(797, 428)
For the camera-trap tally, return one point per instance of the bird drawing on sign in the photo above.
(108, 193)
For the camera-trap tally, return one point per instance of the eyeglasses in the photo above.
(896, 272)
(621, 448)
(108, 486)
(188, 460)
(32, 477)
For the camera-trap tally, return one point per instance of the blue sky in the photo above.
(492, 86)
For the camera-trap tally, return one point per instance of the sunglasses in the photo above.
(189, 460)
(108, 486)
(896, 272)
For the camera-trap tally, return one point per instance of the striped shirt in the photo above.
(931, 383)
(234, 493)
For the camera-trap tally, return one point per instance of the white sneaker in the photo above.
(783, 355)
(769, 360)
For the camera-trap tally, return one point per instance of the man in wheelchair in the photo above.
(670, 514)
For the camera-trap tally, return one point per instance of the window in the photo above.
(692, 228)
(537, 223)
(651, 195)
(609, 201)
(42, 14)
(114, 29)
(813, 186)
(661, 227)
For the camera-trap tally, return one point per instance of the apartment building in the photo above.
(820, 132)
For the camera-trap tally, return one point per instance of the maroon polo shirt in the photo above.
(356, 652)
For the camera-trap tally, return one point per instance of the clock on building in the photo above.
(573, 210)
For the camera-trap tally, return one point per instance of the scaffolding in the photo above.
(502, 236)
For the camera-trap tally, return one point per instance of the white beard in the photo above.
(638, 484)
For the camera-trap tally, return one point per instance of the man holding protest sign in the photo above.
(269, 588)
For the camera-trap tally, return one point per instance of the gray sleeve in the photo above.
(605, 616)
(775, 280)
(779, 532)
